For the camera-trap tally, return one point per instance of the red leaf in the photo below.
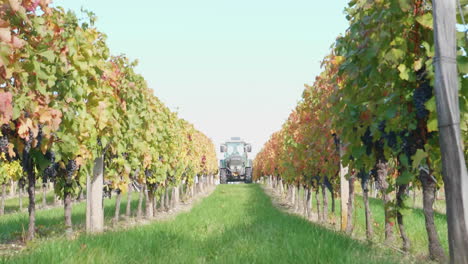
(6, 108)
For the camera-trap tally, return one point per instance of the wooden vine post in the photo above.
(451, 145)
(344, 192)
(94, 201)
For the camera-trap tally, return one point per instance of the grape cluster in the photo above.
(368, 141)
(107, 190)
(50, 156)
(4, 144)
(50, 173)
(420, 96)
(70, 169)
(391, 139)
(364, 177)
(408, 144)
(337, 141)
(148, 173)
(382, 125)
(379, 149)
(40, 135)
(28, 143)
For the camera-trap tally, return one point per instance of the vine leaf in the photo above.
(15, 5)
(425, 20)
(405, 5)
(405, 178)
(418, 157)
(404, 72)
(6, 108)
(432, 125)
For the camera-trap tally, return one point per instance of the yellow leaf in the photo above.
(44, 116)
(426, 20)
(5, 35)
(418, 157)
(432, 125)
(417, 65)
(23, 128)
(11, 152)
(15, 5)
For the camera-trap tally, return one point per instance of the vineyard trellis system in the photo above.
(371, 116)
(73, 115)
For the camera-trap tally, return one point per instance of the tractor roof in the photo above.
(235, 140)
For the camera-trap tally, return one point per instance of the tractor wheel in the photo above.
(222, 176)
(248, 175)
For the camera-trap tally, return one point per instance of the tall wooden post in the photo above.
(453, 160)
(94, 198)
(344, 192)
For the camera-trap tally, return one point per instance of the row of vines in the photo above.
(372, 110)
(75, 116)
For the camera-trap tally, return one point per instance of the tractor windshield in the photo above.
(235, 148)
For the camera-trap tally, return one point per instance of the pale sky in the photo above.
(232, 68)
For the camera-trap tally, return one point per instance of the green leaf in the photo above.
(40, 87)
(39, 159)
(431, 104)
(404, 72)
(404, 160)
(404, 178)
(358, 151)
(426, 20)
(391, 112)
(394, 55)
(405, 5)
(417, 65)
(432, 125)
(462, 63)
(418, 157)
(49, 55)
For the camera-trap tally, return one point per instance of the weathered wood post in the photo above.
(448, 115)
(94, 198)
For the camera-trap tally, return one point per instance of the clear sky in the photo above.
(232, 68)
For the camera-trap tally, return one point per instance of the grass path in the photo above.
(236, 224)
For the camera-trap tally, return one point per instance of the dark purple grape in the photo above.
(4, 144)
(420, 96)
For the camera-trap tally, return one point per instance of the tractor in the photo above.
(235, 166)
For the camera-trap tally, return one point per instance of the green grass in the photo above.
(236, 224)
(413, 218)
(12, 204)
(50, 222)
(439, 204)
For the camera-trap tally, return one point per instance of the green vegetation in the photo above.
(50, 221)
(414, 220)
(236, 224)
(12, 204)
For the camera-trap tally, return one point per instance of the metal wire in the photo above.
(463, 19)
